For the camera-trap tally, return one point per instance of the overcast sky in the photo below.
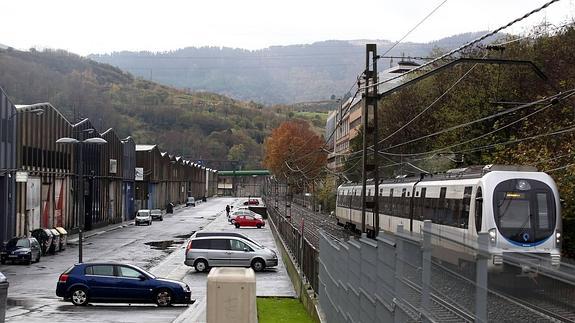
(103, 26)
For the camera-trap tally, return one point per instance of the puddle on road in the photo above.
(185, 236)
(19, 302)
(166, 245)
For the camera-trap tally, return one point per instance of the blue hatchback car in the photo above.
(119, 283)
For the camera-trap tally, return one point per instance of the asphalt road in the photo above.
(31, 295)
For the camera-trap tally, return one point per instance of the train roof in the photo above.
(476, 171)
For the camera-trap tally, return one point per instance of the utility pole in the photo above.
(370, 98)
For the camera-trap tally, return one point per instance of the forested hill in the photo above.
(203, 126)
(279, 74)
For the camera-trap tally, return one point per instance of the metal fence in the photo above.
(304, 253)
(430, 277)
(386, 280)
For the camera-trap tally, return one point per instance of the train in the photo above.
(518, 206)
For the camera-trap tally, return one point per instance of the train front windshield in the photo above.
(524, 211)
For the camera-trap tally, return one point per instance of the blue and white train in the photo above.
(518, 206)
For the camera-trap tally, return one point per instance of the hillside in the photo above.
(278, 74)
(202, 125)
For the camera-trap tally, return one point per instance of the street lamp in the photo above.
(36, 111)
(80, 143)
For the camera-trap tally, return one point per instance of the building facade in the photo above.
(79, 184)
(43, 201)
(241, 183)
(128, 178)
(7, 167)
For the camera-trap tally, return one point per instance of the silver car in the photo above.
(228, 251)
(143, 216)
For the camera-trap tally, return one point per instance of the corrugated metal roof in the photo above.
(244, 172)
(44, 105)
(145, 147)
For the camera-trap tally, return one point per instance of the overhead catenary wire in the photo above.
(414, 27)
(387, 51)
(465, 46)
(566, 94)
(431, 105)
(559, 168)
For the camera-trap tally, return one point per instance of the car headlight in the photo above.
(493, 235)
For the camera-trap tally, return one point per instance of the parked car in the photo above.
(227, 251)
(190, 201)
(234, 214)
(252, 202)
(249, 221)
(119, 283)
(157, 214)
(144, 216)
(225, 234)
(22, 249)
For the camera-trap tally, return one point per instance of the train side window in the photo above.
(391, 210)
(478, 210)
(440, 210)
(464, 217)
(542, 211)
(402, 204)
(422, 211)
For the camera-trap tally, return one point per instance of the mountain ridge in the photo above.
(273, 75)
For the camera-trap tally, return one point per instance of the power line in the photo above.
(414, 27)
(467, 45)
(504, 143)
(498, 114)
(432, 103)
(558, 168)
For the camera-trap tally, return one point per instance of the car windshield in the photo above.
(144, 214)
(156, 212)
(21, 243)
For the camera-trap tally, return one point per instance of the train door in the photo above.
(478, 210)
(350, 196)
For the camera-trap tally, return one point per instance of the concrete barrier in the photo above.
(231, 296)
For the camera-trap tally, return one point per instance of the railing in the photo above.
(303, 252)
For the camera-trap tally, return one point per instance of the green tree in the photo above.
(237, 152)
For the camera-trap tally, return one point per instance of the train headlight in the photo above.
(523, 185)
(558, 239)
(493, 235)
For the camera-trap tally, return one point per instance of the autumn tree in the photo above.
(293, 152)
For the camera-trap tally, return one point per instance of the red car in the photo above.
(252, 202)
(248, 221)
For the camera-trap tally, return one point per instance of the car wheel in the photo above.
(161, 218)
(28, 262)
(237, 225)
(201, 266)
(259, 226)
(79, 296)
(163, 297)
(258, 265)
(38, 258)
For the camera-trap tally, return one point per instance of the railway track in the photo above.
(440, 310)
(313, 222)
